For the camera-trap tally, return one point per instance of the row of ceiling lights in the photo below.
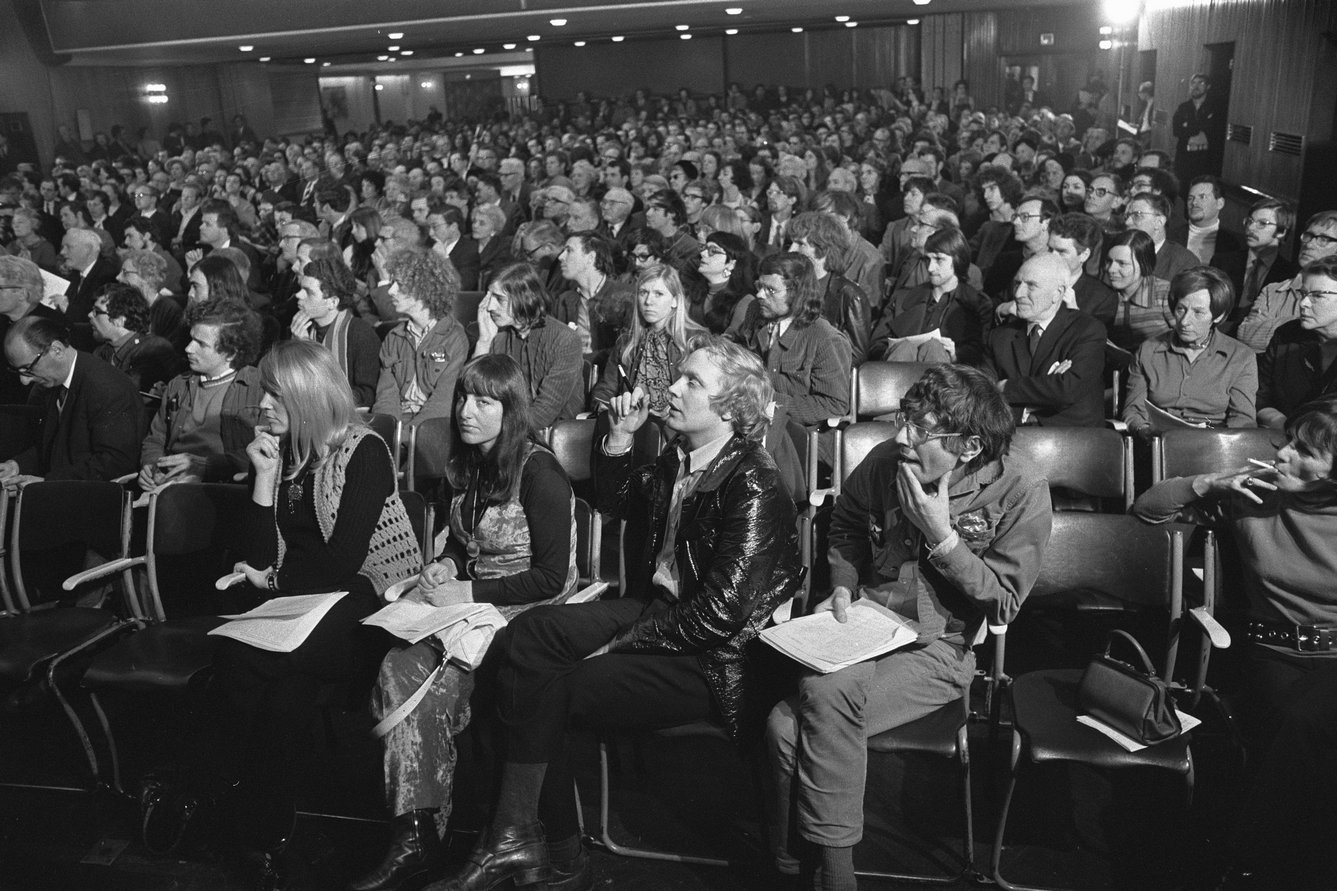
(559, 23)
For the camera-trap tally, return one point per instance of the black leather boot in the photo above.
(414, 851)
(572, 875)
(516, 854)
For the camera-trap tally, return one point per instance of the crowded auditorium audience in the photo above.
(702, 269)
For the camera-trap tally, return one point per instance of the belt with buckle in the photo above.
(1302, 638)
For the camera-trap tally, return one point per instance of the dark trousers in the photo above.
(1287, 827)
(544, 682)
(263, 703)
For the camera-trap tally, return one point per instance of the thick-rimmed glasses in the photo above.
(26, 370)
(916, 432)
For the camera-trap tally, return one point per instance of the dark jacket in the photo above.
(1071, 399)
(83, 289)
(964, 315)
(1235, 264)
(1227, 242)
(551, 361)
(1290, 370)
(735, 548)
(493, 258)
(465, 258)
(96, 436)
(845, 306)
(147, 358)
(809, 368)
(1096, 298)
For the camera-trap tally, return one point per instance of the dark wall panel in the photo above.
(767, 58)
(1284, 78)
(661, 66)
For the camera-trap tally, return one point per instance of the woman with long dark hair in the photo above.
(513, 321)
(511, 543)
(726, 263)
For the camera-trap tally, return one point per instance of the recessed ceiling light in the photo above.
(618, 39)
(478, 51)
(264, 58)
(734, 10)
(921, 2)
(731, 31)
(1106, 44)
(557, 23)
(529, 49)
(406, 53)
(324, 64)
(309, 60)
(459, 55)
(532, 38)
(842, 18)
(245, 47)
(851, 24)
(508, 46)
(580, 43)
(685, 36)
(382, 58)
(396, 35)
(912, 21)
(426, 85)
(393, 48)
(155, 88)
(797, 30)
(682, 27)
(1106, 29)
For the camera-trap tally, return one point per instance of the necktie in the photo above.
(61, 392)
(1252, 280)
(1033, 339)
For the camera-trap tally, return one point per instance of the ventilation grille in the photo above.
(1239, 133)
(1285, 143)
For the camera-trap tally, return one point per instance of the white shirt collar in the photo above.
(69, 378)
(700, 459)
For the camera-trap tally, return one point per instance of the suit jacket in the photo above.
(1071, 399)
(1096, 298)
(83, 289)
(1173, 259)
(97, 436)
(1290, 370)
(1234, 264)
(963, 315)
(465, 257)
(1227, 242)
(494, 257)
(190, 238)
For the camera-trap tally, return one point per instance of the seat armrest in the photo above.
(111, 567)
(587, 594)
(1216, 632)
(126, 479)
(1114, 424)
(817, 497)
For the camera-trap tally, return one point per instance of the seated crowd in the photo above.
(701, 276)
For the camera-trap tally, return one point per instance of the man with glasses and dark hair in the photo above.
(1105, 198)
(1298, 365)
(666, 214)
(1150, 213)
(1030, 236)
(1259, 265)
(91, 418)
(596, 305)
(944, 527)
(446, 227)
(120, 320)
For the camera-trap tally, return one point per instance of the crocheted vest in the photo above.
(502, 536)
(393, 553)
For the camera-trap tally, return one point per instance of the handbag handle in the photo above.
(1146, 660)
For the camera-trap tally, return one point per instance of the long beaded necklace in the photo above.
(475, 512)
(296, 488)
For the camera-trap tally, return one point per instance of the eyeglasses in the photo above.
(1139, 214)
(1100, 191)
(694, 195)
(26, 370)
(915, 432)
(768, 291)
(1255, 223)
(1325, 240)
(613, 201)
(1317, 295)
(1027, 217)
(712, 250)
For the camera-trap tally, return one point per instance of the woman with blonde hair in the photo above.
(647, 355)
(328, 518)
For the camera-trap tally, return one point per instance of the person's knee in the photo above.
(782, 735)
(840, 694)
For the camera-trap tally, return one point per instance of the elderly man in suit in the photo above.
(1050, 359)
(92, 416)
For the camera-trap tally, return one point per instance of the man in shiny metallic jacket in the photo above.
(719, 555)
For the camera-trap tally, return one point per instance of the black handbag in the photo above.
(1131, 699)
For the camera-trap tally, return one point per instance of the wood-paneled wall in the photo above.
(1284, 78)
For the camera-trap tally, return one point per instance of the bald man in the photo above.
(1049, 360)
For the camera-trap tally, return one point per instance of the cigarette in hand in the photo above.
(1266, 465)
